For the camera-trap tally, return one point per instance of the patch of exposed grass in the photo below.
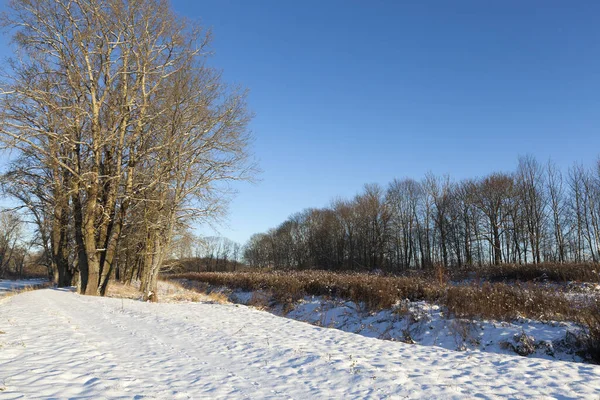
(169, 291)
(123, 291)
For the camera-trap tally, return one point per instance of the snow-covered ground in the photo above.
(423, 323)
(57, 344)
(7, 286)
(426, 324)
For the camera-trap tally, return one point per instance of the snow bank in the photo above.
(426, 324)
(61, 345)
(7, 286)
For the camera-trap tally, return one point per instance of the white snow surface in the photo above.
(428, 325)
(7, 286)
(423, 323)
(57, 344)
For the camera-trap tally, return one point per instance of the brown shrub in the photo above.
(590, 319)
(505, 302)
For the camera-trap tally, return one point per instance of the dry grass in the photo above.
(183, 297)
(376, 292)
(174, 292)
(498, 301)
(218, 297)
(552, 272)
(123, 291)
(168, 292)
(506, 302)
(543, 272)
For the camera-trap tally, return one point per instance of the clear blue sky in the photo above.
(352, 92)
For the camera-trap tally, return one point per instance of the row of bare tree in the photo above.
(14, 246)
(122, 133)
(201, 254)
(538, 213)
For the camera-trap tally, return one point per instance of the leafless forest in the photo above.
(535, 214)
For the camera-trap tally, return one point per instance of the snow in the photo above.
(57, 344)
(7, 286)
(426, 324)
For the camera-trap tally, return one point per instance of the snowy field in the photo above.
(7, 286)
(57, 344)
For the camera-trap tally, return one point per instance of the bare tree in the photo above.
(11, 233)
(490, 197)
(530, 179)
(556, 195)
(439, 191)
(116, 100)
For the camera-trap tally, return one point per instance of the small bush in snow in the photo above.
(522, 344)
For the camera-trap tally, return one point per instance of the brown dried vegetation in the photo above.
(499, 301)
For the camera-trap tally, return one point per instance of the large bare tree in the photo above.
(117, 102)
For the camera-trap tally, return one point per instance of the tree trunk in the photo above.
(79, 241)
(153, 262)
(497, 246)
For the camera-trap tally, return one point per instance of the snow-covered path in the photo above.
(56, 344)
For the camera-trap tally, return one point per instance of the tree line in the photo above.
(121, 133)
(535, 214)
(204, 254)
(14, 248)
